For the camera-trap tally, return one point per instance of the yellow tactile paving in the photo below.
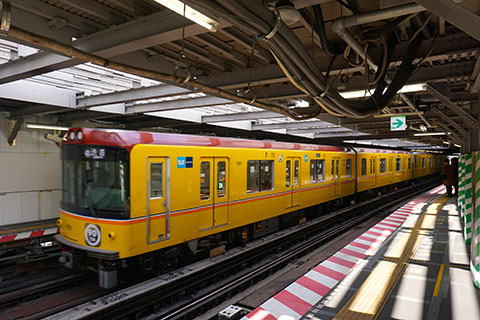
(372, 295)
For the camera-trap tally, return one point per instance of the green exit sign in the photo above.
(398, 123)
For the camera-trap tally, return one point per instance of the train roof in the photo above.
(373, 150)
(128, 139)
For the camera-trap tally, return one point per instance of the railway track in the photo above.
(189, 291)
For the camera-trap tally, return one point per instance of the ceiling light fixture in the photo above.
(287, 12)
(429, 134)
(190, 13)
(45, 127)
(405, 89)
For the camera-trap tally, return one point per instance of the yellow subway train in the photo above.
(151, 199)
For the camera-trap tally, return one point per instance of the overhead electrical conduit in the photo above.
(340, 26)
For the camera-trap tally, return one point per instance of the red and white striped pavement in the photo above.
(28, 234)
(299, 297)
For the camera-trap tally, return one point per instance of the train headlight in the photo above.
(92, 235)
(71, 135)
(79, 135)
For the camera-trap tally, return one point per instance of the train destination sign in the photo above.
(398, 123)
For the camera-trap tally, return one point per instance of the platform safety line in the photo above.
(370, 299)
(28, 235)
(300, 296)
(439, 281)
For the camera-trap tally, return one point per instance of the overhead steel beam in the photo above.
(289, 125)
(455, 14)
(475, 76)
(176, 104)
(96, 9)
(37, 93)
(452, 106)
(36, 110)
(241, 116)
(449, 121)
(158, 28)
(319, 130)
(456, 138)
(145, 93)
(342, 134)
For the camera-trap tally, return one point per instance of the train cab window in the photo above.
(296, 173)
(259, 175)
(222, 179)
(205, 180)
(364, 167)
(383, 165)
(317, 171)
(430, 162)
(156, 180)
(399, 164)
(409, 163)
(349, 168)
(288, 174)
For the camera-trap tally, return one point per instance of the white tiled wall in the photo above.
(29, 175)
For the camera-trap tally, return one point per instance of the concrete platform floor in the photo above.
(421, 272)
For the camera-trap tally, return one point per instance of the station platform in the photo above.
(29, 230)
(414, 264)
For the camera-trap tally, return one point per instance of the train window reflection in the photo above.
(287, 173)
(222, 179)
(364, 167)
(383, 165)
(349, 168)
(259, 175)
(399, 164)
(205, 180)
(156, 180)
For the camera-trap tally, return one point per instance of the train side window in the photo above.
(383, 165)
(430, 162)
(320, 170)
(156, 180)
(266, 175)
(313, 171)
(296, 172)
(222, 179)
(415, 163)
(374, 167)
(287, 173)
(399, 164)
(337, 175)
(205, 180)
(253, 170)
(423, 162)
(409, 163)
(364, 166)
(333, 169)
(349, 168)
(371, 165)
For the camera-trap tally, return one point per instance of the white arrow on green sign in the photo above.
(398, 123)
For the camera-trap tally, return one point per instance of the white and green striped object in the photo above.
(467, 198)
(460, 184)
(475, 258)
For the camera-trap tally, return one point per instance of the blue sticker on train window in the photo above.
(180, 162)
(306, 157)
(189, 162)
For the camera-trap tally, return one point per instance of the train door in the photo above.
(292, 182)
(214, 192)
(336, 176)
(158, 199)
(373, 170)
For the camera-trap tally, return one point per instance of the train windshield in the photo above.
(95, 181)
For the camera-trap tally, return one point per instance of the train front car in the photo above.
(94, 204)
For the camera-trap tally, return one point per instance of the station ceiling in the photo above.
(333, 75)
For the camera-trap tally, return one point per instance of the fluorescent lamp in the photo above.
(190, 13)
(429, 134)
(362, 93)
(45, 127)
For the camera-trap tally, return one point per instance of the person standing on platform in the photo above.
(455, 174)
(447, 175)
